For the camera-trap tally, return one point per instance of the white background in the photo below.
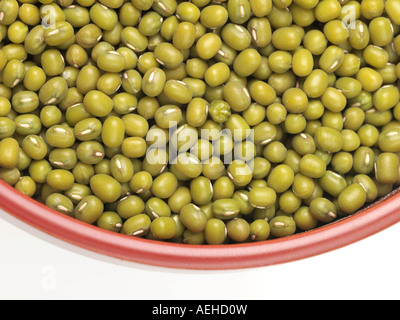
(34, 265)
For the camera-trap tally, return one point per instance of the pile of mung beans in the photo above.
(202, 121)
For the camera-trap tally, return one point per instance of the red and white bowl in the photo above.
(371, 220)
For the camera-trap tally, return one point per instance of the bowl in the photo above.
(368, 221)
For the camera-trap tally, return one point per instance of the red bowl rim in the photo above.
(371, 220)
